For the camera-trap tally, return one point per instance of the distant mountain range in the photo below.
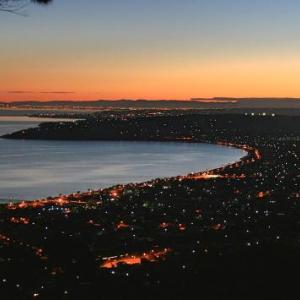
(208, 103)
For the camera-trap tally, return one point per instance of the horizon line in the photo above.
(200, 99)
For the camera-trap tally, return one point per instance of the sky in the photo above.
(151, 49)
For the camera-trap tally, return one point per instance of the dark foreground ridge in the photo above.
(230, 233)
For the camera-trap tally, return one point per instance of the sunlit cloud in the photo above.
(43, 92)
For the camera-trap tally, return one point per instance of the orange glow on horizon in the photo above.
(168, 78)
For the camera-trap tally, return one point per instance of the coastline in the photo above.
(184, 170)
(251, 154)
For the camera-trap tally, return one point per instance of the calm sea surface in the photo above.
(34, 169)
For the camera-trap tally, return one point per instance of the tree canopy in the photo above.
(16, 5)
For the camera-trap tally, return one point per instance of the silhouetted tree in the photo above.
(14, 6)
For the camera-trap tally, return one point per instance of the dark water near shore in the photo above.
(34, 169)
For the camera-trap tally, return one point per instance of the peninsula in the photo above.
(219, 233)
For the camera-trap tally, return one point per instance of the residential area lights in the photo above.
(165, 230)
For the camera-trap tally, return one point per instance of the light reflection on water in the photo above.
(34, 169)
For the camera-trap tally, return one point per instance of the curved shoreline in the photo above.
(252, 154)
(179, 139)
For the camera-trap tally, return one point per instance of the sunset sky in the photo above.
(154, 49)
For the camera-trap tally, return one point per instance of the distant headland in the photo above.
(197, 103)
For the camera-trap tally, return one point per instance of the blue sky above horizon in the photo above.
(156, 49)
